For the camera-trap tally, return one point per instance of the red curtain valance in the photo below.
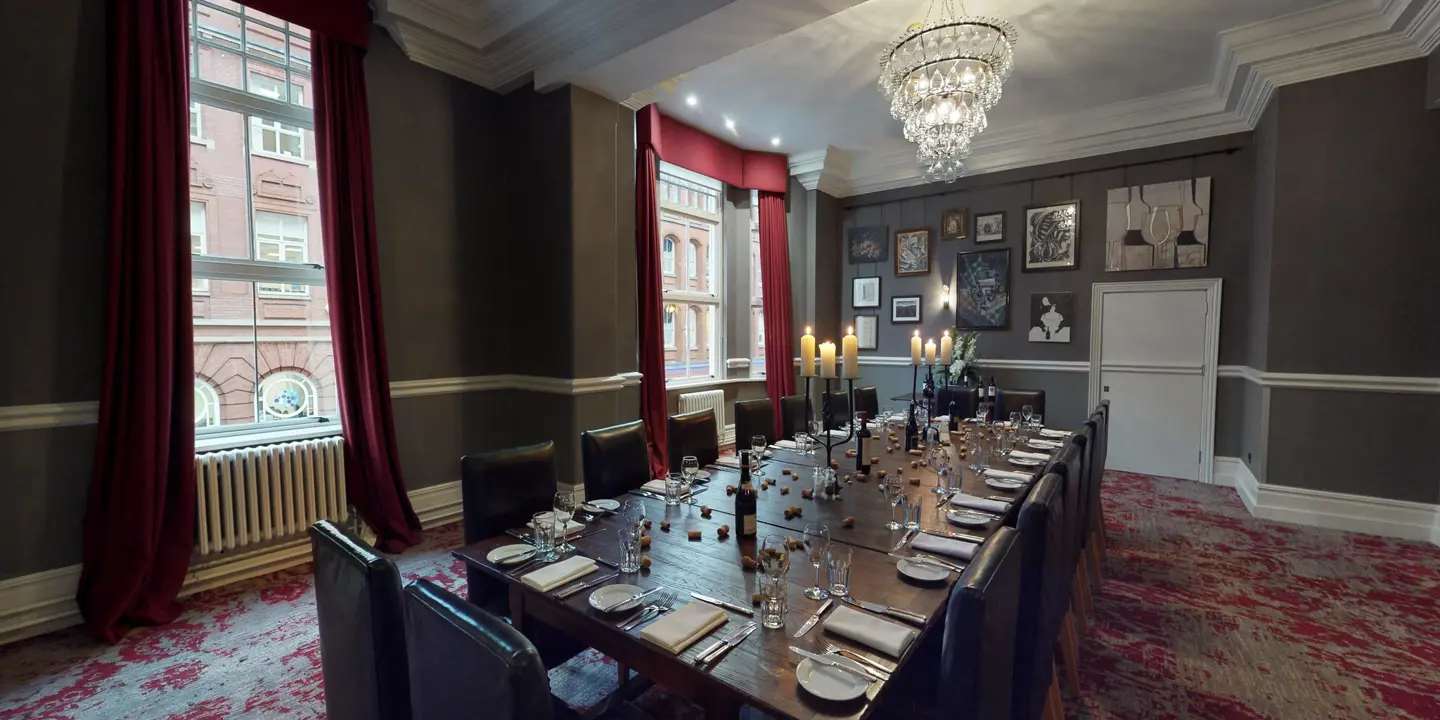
(345, 20)
(708, 155)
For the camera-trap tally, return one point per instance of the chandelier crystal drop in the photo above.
(941, 77)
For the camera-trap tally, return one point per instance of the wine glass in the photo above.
(633, 513)
(1027, 413)
(758, 445)
(817, 543)
(564, 507)
(894, 491)
(690, 468)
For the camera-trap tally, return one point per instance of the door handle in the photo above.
(1107, 389)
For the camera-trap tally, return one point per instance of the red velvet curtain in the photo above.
(647, 254)
(140, 512)
(373, 479)
(775, 277)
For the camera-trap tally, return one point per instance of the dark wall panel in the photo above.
(45, 475)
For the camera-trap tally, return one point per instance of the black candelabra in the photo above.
(827, 422)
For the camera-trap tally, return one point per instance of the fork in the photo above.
(660, 608)
(640, 615)
(857, 657)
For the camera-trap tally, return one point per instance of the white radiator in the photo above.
(706, 400)
(249, 496)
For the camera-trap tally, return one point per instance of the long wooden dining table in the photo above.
(760, 671)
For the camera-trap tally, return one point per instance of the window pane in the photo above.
(217, 35)
(225, 350)
(217, 181)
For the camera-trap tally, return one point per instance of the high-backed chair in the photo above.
(1043, 597)
(614, 460)
(977, 660)
(362, 629)
(1011, 401)
(501, 490)
(693, 433)
(967, 400)
(1096, 517)
(839, 404)
(793, 418)
(466, 662)
(867, 400)
(754, 417)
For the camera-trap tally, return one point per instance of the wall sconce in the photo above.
(945, 296)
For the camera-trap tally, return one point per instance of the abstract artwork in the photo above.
(1051, 315)
(990, 227)
(912, 252)
(1052, 237)
(867, 332)
(867, 244)
(982, 298)
(1158, 227)
(953, 224)
(905, 309)
(865, 292)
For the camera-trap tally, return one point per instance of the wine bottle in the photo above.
(745, 499)
(862, 445)
(912, 431)
(994, 398)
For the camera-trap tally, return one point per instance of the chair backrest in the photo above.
(754, 417)
(839, 405)
(967, 400)
(1069, 464)
(362, 628)
(503, 488)
(693, 433)
(614, 460)
(465, 662)
(1012, 400)
(793, 418)
(1043, 597)
(1097, 469)
(867, 400)
(977, 660)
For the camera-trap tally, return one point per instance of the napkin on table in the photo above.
(883, 635)
(655, 486)
(785, 444)
(1029, 455)
(553, 576)
(681, 629)
(1054, 433)
(571, 527)
(944, 546)
(730, 461)
(979, 503)
(1051, 444)
(1008, 475)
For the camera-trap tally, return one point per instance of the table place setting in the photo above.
(664, 604)
(1005, 479)
(1060, 434)
(682, 628)
(974, 502)
(571, 527)
(886, 636)
(949, 546)
(1044, 444)
(894, 612)
(582, 587)
(814, 618)
(718, 650)
(620, 597)
(600, 507)
(565, 571)
(511, 554)
(1026, 459)
(836, 678)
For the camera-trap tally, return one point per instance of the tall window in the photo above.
(670, 327)
(689, 210)
(262, 331)
(667, 256)
(757, 292)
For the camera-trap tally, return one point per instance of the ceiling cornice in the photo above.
(824, 170)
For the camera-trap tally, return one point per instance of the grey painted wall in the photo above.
(1432, 87)
(1263, 237)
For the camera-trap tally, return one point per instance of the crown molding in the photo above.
(824, 170)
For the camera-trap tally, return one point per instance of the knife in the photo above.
(958, 536)
(832, 662)
(647, 493)
(999, 498)
(562, 594)
(520, 535)
(637, 596)
(814, 618)
(729, 641)
(903, 539)
(897, 613)
(747, 612)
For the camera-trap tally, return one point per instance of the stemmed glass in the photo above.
(758, 445)
(564, 507)
(817, 543)
(774, 562)
(632, 513)
(1039, 421)
(1027, 413)
(894, 492)
(690, 468)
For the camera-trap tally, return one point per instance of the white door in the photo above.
(1153, 354)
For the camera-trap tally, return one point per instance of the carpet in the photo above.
(1205, 613)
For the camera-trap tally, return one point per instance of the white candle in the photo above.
(915, 349)
(827, 360)
(930, 352)
(947, 348)
(807, 354)
(850, 352)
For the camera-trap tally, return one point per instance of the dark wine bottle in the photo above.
(912, 431)
(745, 499)
(863, 445)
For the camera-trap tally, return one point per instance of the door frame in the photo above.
(1209, 370)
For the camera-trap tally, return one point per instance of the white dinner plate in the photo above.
(611, 594)
(1003, 484)
(510, 554)
(924, 572)
(703, 475)
(828, 683)
(604, 505)
(1024, 462)
(967, 519)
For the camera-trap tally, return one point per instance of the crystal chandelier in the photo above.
(941, 77)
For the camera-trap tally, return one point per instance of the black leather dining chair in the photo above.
(1011, 401)
(793, 418)
(466, 662)
(977, 659)
(500, 490)
(1043, 598)
(614, 460)
(867, 400)
(1068, 463)
(362, 629)
(694, 433)
(967, 401)
(754, 417)
(839, 404)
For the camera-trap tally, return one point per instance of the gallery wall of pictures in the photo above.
(1016, 259)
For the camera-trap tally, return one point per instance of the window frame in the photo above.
(283, 243)
(199, 286)
(667, 326)
(692, 259)
(682, 194)
(667, 257)
(692, 327)
(758, 366)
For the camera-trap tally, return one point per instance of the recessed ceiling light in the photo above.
(729, 124)
(691, 100)
(775, 142)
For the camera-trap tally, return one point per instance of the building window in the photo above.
(757, 291)
(760, 333)
(207, 404)
(197, 129)
(286, 395)
(667, 255)
(687, 196)
(670, 327)
(692, 329)
(692, 260)
(272, 137)
(282, 238)
(197, 243)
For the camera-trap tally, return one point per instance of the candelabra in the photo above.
(827, 421)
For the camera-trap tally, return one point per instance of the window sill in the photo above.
(266, 437)
(708, 382)
(283, 158)
(209, 144)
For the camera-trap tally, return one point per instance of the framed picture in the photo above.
(867, 331)
(1050, 316)
(1158, 227)
(954, 223)
(1052, 237)
(982, 290)
(990, 227)
(867, 244)
(912, 252)
(865, 292)
(905, 309)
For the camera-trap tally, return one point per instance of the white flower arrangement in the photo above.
(963, 361)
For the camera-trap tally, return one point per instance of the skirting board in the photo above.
(1332, 510)
(45, 601)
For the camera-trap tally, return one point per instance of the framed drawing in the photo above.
(982, 297)
(1052, 237)
(912, 252)
(867, 331)
(1050, 316)
(865, 292)
(954, 223)
(990, 227)
(1158, 227)
(905, 309)
(867, 244)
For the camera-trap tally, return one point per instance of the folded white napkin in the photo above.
(944, 546)
(1008, 475)
(942, 419)
(655, 486)
(553, 576)
(1050, 444)
(1054, 433)
(1029, 455)
(571, 527)
(786, 444)
(883, 635)
(979, 503)
(731, 461)
(680, 629)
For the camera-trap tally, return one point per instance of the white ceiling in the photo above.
(1092, 76)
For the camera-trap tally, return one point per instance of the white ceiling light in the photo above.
(691, 100)
(775, 142)
(729, 124)
(940, 77)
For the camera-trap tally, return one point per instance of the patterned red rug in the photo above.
(1205, 613)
